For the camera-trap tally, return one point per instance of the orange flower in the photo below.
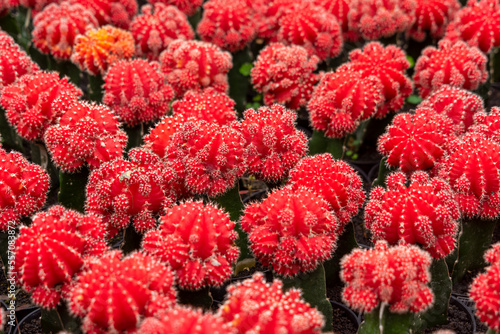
(95, 51)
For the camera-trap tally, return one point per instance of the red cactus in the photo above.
(208, 105)
(136, 92)
(36, 101)
(340, 9)
(153, 32)
(334, 180)
(197, 242)
(159, 137)
(473, 172)
(63, 239)
(478, 24)
(253, 306)
(457, 65)
(128, 288)
(14, 63)
(208, 157)
(56, 27)
(182, 320)
(388, 65)
(291, 231)
(342, 100)
(118, 13)
(188, 7)
(267, 15)
(432, 18)
(423, 213)
(228, 24)
(485, 290)
(488, 124)
(95, 51)
(36, 5)
(120, 190)
(416, 141)
(195, 65)
(87, 134)
(284, 74)
(398, 276)
(313, 28)
(23, 188)
(374, 19)
(274, 145)
(458, 104)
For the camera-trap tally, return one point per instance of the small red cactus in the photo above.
(291, 231)
(56, 27)
(36, 5)
(398, 276)
(424, 213)
(99, 48)
(375, 19)
(274, 145)
(120, 190)
(36, 101)
(127, 288)
(87, 134)
(208, 105)
(267, 15)
(118, 13)
(485, 290)
(284, 74)
(159, 137)
(183, 320)
(342, 100)
(188, 7)
(432, 18)
(334, 180)
(313, 28)
(478, 24)
(416, 141)
(14, 63)
(136, 92)
(197, 242)
(63, 239)
(157, 27)
(195, 65)
(473, 172)
(457, 65)
(23, 188)
(228, 24)
(207, 157)
(340, 9)
(488, 124)
(458, 104)
(253, 306)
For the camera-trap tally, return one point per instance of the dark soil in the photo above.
(343, 322)
(31, 326)
(458, 321)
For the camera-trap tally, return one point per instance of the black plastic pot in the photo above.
(348, 313)
(465, 303)
(35, 313)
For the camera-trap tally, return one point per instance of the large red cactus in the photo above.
(432, 18)
(197, 242)
(53, 249)
(118, 13)
(291, 231)
(398, 276)
(188, 7)
(423, 213)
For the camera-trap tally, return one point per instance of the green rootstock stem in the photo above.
(345, 244)
(195, 19)
(198, 298)
(495, 65)
(239, 84)
(313, 286)
(321, 144)
(383, 321)
(72, 189)
(70, 70)
(10, 139)
(59, 319)
(437, 314)
(96, 83)
(131, 240)
(231, 202)
(474, 240)
(383, 171)
(491, 331)
(135, 136)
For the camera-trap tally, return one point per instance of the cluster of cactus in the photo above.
(138, 129)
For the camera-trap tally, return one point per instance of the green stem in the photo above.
(131, 240)
(313, 286)
(383, 321)
(197, 298)
(239, 84)
(10, 138)
(60, 319)
(473, 242)
(96, 83)
(495, 65)
(72, 189)
(491, 331)
(135, 136)
(441, 288)
(383, 171)
(345, 244)
(321, 144)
